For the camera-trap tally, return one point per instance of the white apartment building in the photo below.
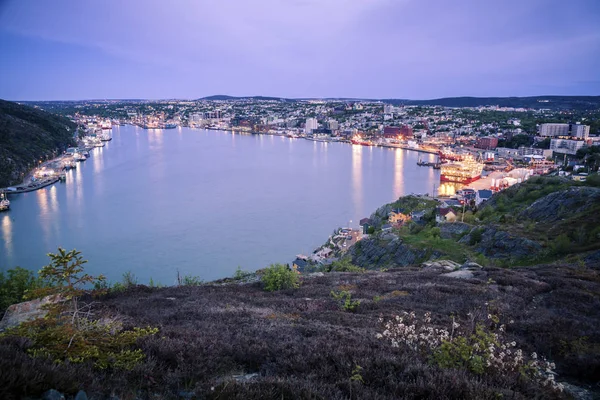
(580, 131)
(572, 130)
(311, 124)
(554, 130)
(566, 146)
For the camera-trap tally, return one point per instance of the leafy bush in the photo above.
(561, 245)
(476, 236)
(129, 279)
(15, 285)
(240, 274)
(344, 265)
(278, 277)
(190, 280)
(345, 300)
(105, 345)
(483, 350)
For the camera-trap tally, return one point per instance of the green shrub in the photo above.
(344, 265)
(561, 245)
(469, 352)
(345, 300)
(278, 277)
(435, 232)
(476, 236)
(190, 280)
(129, 279)
(15, 285)
(240, 274)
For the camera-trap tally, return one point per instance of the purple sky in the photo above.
(418, 49)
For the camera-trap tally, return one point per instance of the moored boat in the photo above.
(4, 202)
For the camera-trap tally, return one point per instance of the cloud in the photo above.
(294, 47)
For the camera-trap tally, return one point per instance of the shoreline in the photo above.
(390, 146)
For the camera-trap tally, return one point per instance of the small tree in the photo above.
(68, 331)
(64, 278)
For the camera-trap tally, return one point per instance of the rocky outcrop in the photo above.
(563, 204)
(495, 243)
(454, 230)
(384, 252)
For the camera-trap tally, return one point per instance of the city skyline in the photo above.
(379, 49)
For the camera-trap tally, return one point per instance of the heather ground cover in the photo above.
(223, 341)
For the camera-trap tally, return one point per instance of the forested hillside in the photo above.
(28, 135)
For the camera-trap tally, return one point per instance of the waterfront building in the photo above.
(311, 124)
(391, 131)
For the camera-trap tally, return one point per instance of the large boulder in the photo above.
(26, 311)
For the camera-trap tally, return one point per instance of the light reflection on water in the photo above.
(7, 234)
(197, 201)
(357, 189)
(398, 174)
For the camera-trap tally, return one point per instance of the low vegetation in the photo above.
(69, 333)
(240, 341)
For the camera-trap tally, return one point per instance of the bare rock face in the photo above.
(378, 252)
(453, 230)
(26, 311)
(563, 204)
(496, 243)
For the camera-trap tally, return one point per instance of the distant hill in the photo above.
(222, 97)
(27, 135)
(537, 102)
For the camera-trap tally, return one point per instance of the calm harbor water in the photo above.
(204, 202)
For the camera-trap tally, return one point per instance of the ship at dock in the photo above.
(465, 171)
(4, 202)
(361, 141)
(447, 154)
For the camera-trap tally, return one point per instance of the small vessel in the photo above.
(79, 157)
(170, 126)
(62, 177)
(4, 202)
(105, 136)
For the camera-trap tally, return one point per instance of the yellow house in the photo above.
(397, 217)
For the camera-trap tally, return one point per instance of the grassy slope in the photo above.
(26, 135)
(579, 231)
